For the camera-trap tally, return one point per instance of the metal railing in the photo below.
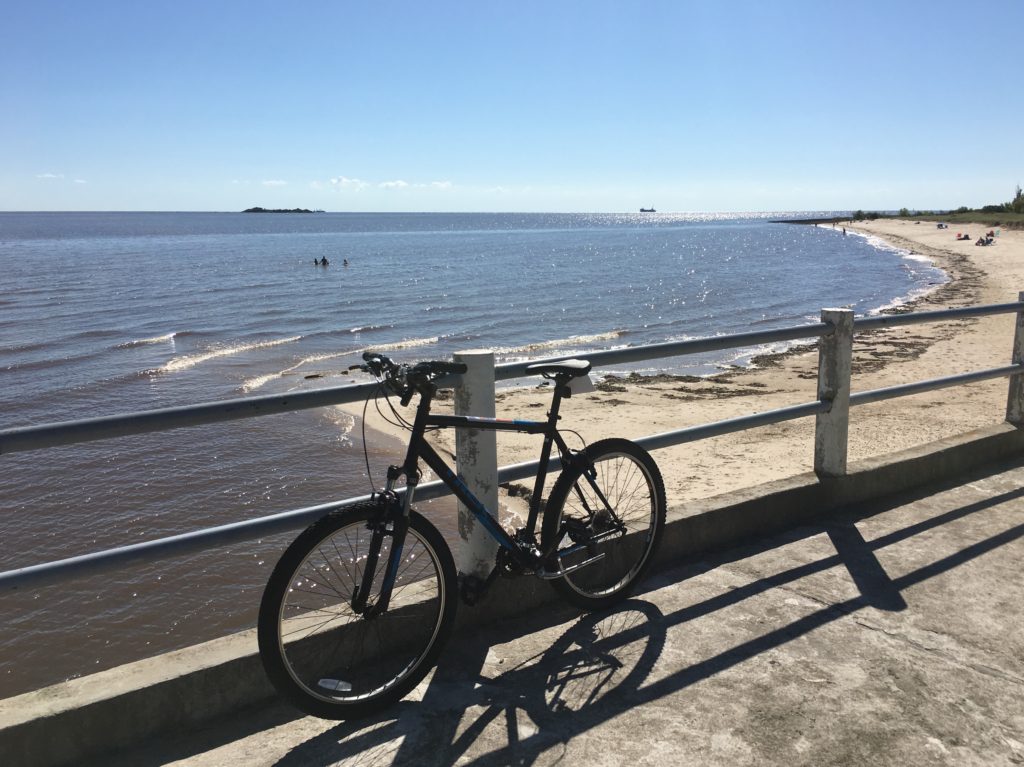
(835, 334)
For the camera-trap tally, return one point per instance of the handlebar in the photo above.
(406, 380)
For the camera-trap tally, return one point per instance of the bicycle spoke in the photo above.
(608, 521)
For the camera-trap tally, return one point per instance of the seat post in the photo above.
(561, 390)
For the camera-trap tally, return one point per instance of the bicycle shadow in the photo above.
(601, 656)
(601, 665)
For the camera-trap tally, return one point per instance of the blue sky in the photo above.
(510, 106)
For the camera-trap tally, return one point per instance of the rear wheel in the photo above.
(605, 516)
(333, 660)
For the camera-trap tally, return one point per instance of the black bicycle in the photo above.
(360, 605)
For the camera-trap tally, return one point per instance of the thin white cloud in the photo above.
(80, 181)
(341, 182)
(275, 182)
(49, 175)
(356, 184)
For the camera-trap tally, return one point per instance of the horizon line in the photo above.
(521, 212)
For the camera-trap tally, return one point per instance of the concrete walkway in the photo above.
(892, 636)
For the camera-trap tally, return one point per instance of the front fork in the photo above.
(394, 522)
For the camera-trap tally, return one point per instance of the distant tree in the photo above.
(858, 216)
(904, 213)
(1017, 203)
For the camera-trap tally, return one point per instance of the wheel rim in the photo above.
(630, 491)
(338, 656)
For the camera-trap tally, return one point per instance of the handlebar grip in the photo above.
(379, 364)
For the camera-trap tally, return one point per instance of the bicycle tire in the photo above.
(326, 659)
(630, 480)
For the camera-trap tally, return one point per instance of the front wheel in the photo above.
(337, 656)
(603, 523)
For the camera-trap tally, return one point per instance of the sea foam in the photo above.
(146, 341)
(190, 361)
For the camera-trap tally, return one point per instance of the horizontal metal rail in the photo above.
(945, 382)
(917, 318)
(508, 370)
(730, 425)
(49, 435)
(296, 519)
(107, 427)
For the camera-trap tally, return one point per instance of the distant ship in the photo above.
(648, 210)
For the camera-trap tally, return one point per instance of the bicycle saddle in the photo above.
(570, 368)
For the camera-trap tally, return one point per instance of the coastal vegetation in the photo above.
(1008, 214)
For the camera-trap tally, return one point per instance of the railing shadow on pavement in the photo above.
(600, 666)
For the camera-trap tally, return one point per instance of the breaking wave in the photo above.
(560, 343)
(190, 361)
(147, 341)
(257, 382)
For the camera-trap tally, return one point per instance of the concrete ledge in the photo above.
(725, 520)
(179, 691)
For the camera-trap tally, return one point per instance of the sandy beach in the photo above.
(636, 407)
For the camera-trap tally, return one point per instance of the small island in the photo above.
(280, 210)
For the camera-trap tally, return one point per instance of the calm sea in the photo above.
(104, 313)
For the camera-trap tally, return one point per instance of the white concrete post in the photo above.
(1015, 398)
(831, 429)
(476, 458)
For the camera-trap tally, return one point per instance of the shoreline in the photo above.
(633, 405)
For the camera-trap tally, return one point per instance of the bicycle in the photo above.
(359, 606)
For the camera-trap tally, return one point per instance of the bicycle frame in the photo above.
(420, 448)
(523, 554)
